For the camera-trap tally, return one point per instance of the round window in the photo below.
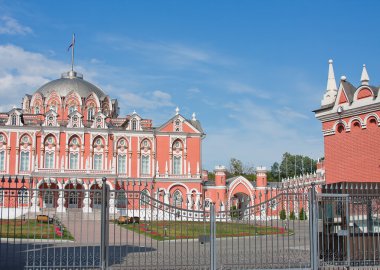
(51, 118)
(1, 138)
(75, 141)
(50, 140)
(177, 122)
(99, 119)
(75, 118)
(98, 141)
(145, 143)
(122, 142)
(25, 139)
(177, 144)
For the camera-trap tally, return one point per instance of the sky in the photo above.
(252, 71)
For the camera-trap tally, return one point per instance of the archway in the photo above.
(48, 195)
(73, 196)
(96, 196)
(240, 202)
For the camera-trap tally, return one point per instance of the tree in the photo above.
(282, 214)
(237, 168)
(302, 215)
(293, 165)
(292, 216)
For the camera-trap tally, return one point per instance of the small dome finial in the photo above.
(343, 78)
(193, 117)
(364, 78)
(134, 112)
(176, 111)
(330, 61)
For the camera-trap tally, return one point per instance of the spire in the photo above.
(331, 83)
(364, 78)
(331, 88)
(72, 45)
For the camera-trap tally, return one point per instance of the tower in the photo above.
(350, 127)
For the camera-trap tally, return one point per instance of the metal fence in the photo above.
(99, 228)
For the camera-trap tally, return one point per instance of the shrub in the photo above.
(282, 214)
(292, 216)
(302, 215)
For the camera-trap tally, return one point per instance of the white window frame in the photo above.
(23, 196)
(177, 165)
(145, 164)
(122, 164)
(73, 161)
(98, 161)
(2, 160)
(49, 160)
(24, 161)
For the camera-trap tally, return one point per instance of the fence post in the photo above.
(313, 223)
(212, 237)
(104, 226)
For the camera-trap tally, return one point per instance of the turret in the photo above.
(220, 176)
(261, 177)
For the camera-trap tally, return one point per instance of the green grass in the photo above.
(30, 229)
(166, 230)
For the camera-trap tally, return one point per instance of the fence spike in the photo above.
(3, 179)
(9, 179)
(23, 180)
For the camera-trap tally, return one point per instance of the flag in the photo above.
(72, 43)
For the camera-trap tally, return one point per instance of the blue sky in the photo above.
(252, 71)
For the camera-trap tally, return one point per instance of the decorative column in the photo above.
(197, 200)
(86, 201)
(8, 155)
(17, 160)
(34, 207)
(61, 201)
(129, 164)
(189, 201)
(166, 198)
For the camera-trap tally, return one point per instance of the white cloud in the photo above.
(148, 101)
(240, 88)
(11, 26)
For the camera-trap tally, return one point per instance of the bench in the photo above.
(44, 219)
(127, 220)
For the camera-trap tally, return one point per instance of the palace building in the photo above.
(69, 135)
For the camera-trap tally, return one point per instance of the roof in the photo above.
(349, 89)
(196, 124)
(68, 82)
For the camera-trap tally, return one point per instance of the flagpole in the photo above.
(72, 53)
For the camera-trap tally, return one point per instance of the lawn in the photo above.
(31, 229)
(166, 230)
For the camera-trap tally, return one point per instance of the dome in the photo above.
(68, 82)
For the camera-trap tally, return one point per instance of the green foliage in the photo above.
(211, 176)
(282, 214)
(302, 215)
(292, 165)
(236, 168)
(292, 216)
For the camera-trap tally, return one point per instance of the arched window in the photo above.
(49, 160)
(177, 165)
(177, 199)
(24, 161)
(14, 120)
(2, 160)
(134, 124)
(97, 199)
(74, 160)
(23, 196)
(98, 161)
(37, 110)
(121, 164)
(144, 164)
(177, 157)
(144, 197)
(90, 113)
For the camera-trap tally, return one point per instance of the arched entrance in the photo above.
(48, 195)
(240, 201)
(73, 196)
(96, 196)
